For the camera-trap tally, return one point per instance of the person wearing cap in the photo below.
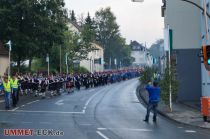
(154, 98)
(7, 92)
(14, 85)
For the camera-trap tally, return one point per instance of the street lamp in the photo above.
(9, 43)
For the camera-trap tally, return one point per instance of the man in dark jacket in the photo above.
(154, 98)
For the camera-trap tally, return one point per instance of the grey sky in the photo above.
(138, 21)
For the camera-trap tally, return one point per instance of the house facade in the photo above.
(95, 59)
(4, 60)
(141, 55)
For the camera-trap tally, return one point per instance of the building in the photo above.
(159, 56)
(4, 60)
(184, 22)
(95, 59)
(140, 54)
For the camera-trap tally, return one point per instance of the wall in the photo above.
(3, 64)
(184, 19)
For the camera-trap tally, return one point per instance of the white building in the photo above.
(4, 60)
(95, 58)
(140, 54)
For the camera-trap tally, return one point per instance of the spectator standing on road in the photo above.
(154, 98)
(15, 93)
(7, 92)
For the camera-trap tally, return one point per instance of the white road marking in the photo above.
(102, 135)
(2, 101)
(59, 102)
(85, 124)
(15, 109)
(55, 112)
(179, 127)
(127, 129)
(102, 128)
(22, 106)
(190, 131)
(89, 100)
(32, 102)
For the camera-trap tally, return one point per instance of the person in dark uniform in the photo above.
(77, 82)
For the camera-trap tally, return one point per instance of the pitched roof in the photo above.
(3, 51)
(135, 46)
(75, 25)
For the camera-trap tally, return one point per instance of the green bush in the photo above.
(165, 85)
(147, 75)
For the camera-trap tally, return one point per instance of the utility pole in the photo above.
(48, 64)
(60, 60)
(10, 48)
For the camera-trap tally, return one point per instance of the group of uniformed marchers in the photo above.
(40, 84)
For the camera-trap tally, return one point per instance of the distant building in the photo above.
(4, 60)
(159, 56)
(140, 54)
(95, 58)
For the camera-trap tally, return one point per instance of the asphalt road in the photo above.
(110, 112)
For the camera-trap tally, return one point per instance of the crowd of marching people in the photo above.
(40, 84)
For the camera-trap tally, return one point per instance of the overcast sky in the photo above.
(137, 21)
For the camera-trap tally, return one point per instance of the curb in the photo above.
(140, 97)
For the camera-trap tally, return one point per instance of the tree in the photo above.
(72, 16)
(106, 26)
(33, 26)
(88, 30)
(108, 34)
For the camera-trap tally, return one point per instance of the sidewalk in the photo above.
(184, 113)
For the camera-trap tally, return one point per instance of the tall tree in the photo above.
(106, 26)
(88, 30)
(72, 16)
(32, 25)
(108, 34)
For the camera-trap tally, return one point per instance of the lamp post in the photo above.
(9, 43)
(67, 67)
(48, 64)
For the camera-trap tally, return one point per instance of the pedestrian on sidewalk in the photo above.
(154, 98)
(14, 84)
(7, 92)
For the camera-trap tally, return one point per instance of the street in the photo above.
(110, 112)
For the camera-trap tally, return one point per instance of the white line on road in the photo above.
(127, 129)
(32, 102)
(190, 131)
(89, 100)
(1, 101)
(59, 102)
(22, 106)
(102, 135)
(55, 112)
(15, 109)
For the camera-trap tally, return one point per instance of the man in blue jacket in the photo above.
(154, 98)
